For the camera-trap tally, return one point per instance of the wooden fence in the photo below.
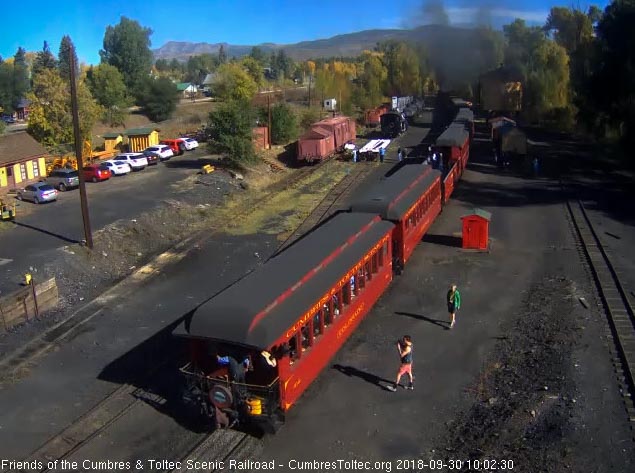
(27, 303)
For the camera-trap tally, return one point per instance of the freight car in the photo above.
(325, 138)
(256, 346)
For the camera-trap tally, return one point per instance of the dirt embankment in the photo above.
(526, 400)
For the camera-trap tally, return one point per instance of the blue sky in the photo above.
(231, 21)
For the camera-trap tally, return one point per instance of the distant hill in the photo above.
(458, 54)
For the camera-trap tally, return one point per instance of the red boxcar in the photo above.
(288, 317)
(411, 199)
(316, 145)
(371, 117)
(342, 128)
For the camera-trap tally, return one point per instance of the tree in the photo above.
(127, 47)
(234, 83)
(258, 55)
(20, 77)
(44, 60)
(222, 55)
(369, 92)
(254, 69)
(198, 67)
(284, 124)
(50, 117)
(6, 86)
(282, 64)
(230, 130)
(106, 85)
(66, 49)
(157, 98)
(611, 86)
(402, 64)
(545, 68)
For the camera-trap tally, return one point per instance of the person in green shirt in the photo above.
(454, 302)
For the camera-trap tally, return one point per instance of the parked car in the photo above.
(190, 143)
(63, 179)
(7, 119)
(96, 172)
(163, 151)
(137, 161)
(117, 168)
(177, 145)
(38, 193)
(152, 157)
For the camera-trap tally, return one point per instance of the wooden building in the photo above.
(113, 141)
(140, 138)
(22, 160)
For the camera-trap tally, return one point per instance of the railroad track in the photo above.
(217, 449)
(614, 301)
(88, 426)
(328, 205)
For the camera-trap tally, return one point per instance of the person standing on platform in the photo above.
(382, 152)
(355, 155)
(399, 155)
(454, 303)
(404, 346)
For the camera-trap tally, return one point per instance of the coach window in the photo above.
(293, 348)
(307, 335)
(346, 292)
(318, 323)
(374, 262)
(360, 280)
(380, 254)
(337, 303)
(328, 312)
(367, 268)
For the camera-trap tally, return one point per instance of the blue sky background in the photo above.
(233, 21)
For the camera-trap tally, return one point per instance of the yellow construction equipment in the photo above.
(207, 169)
(7, 210)
(67, 161)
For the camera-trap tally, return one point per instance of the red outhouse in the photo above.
(476, 229)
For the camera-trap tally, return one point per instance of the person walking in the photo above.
(404, 346)
(399, 155)
(382, 151)
(355, 155)
(454, 303)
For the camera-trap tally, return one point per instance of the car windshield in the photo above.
(119, 163)
(45, 187)
(72, 174)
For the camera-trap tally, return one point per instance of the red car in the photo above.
(177, 145)
(96, 172)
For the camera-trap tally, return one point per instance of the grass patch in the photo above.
(280, 212)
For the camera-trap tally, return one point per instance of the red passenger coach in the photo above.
(411, 199)
(288, 318)
(454, 144)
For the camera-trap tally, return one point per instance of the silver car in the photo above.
(38, 193)
(63, 178)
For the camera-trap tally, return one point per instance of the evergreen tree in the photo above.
(20, 77)
(66, 49)
(44, 60)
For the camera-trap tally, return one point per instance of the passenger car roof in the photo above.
(262, 306)
(392, 196)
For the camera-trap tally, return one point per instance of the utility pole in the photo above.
(269, 114)
(78, 151)
(310, 77)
